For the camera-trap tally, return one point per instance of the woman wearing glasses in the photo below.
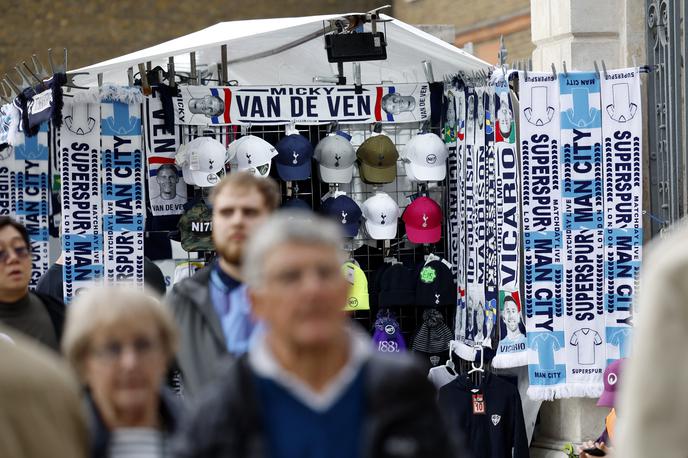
(120, 342)
(34, 314)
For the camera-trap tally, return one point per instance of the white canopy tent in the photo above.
(288, 51)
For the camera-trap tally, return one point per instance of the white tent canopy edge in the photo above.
(407, 47)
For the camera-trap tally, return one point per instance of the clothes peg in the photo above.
(604, 68)
(224, 76)
(597, 69)
(194, 73)
(39, 68)
(70, 80)
(25, 82)
(11, 84)
(170, 72)
(144, 80)
(554, 71)
(7, 92)
(427, 67)
(33, 75)
(100, 79)
(130, 76)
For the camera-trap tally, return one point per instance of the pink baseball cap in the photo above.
(612, 379)
(423, 220)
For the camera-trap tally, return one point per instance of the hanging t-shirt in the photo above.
(440, 376)
(490, 416)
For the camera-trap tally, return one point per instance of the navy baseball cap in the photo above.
(294, 154)
(296, 203)
(345, 211)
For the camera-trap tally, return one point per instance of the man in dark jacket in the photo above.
(311, 385)
(211, 307)
(36, 315)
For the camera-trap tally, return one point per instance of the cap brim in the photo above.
(379, 232)
(422, 173)
(378, 174)
(428, 235)
(199, 178)
(350, 229)
(294, 172)
(607, 399)
(344, 175)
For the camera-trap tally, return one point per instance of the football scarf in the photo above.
(622, 133)
(7, 181)
(9, 125)
(542, 232)
(460, 228)
(491, 291)
(123, 200)
(583, 225)
(511, 350)
(449, 136)
(82, 237)
(33, 196)
(166, 188)
(477, 311)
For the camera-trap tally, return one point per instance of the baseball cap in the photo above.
(423, 220)
(201, 160)
(378, 157)
(358, 293)
(345, 211)
(294, 153)
(612, 377)
(336, 156)
(425, 158)
(435, 285)
(253, 154)
(387, 336)
(196, 227)
(381, 213)
(296, 203)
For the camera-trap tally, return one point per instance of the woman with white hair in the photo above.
(120, 342)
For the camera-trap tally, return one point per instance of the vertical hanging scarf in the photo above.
(583, 225)
(542, 232)
(622, 132)
(82, 237)
(476, 319)
(491, 288)
(123, 199)
(33, 196)
(166, 188)
(511, 351)
(460, 328)
(449, 136)
(7, 181)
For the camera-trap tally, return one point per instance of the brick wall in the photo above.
(478, 21)
(97, 30)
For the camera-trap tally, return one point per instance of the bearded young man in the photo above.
(212, 307)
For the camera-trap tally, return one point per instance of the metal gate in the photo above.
(667, 111)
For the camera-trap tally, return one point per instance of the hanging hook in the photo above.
(35, 77)
(11, 84)
(597, 69)
(604, 68)
(566, 72)
(554, 71)
(38, 67)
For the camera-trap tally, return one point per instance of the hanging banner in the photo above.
(82, 237)
(33, 196)
(202, 105)
(123, 200)
(491, 287)
(583, 225)
(542, 232)
(459, 209)
(166, 188)
(511, 351)
(622, 129)
(477, 311)
(464, 335)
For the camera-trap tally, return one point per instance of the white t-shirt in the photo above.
(586, 339)
(440, 376)
(137, 442)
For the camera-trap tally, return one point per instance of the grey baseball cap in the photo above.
(336, 157)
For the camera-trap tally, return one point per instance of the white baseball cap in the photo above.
(425, 158)
(253, 154)
(201, 160)
(381, 213)
(336, 156)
